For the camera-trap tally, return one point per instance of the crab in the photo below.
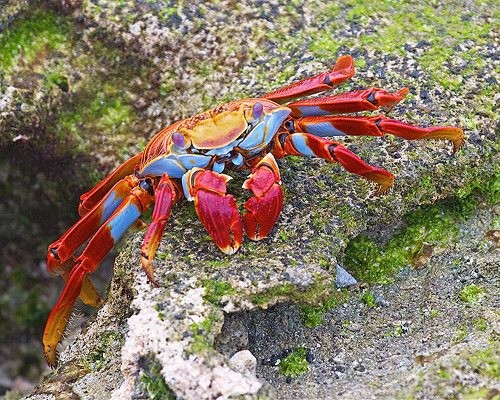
(187, 160)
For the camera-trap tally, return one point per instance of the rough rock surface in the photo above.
(131, 67)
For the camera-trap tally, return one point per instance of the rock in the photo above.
(344, 279)
(243, 362)
(381, 301)
(148, 65)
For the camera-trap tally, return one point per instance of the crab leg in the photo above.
(359, 100)
(89, 294)
(264, 207)
(100, 244)
(217, 211)
(166, 194)
(62, 249)
(377, 126)
(343, 70)
(89, 199)
(309, 145)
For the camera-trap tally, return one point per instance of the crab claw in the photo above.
(217, 211)
(263, 209)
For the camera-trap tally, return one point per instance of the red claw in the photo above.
(263, 209)
(217, 211)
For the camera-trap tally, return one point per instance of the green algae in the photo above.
(96, 359)
(486, 361)
(153, 381)
(215, 290)
(369, 299)
(201, 334)
(318, 293)
(28, 38)
(314, 315)
(295, 363)
(480, 362)
(471, 294)
(434, 225)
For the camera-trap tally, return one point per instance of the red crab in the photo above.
(187, 158)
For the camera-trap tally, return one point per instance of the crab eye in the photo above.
(257, 110)
(290, 126)
(179, 140)
(147, 185)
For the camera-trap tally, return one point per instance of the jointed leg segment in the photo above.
(89, 199)
(349, 102)
(305, 144)
(166, 194)
(343, 70)
(378, 125)
(100, 244)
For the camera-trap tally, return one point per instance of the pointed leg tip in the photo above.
(230, 250)
(403, 92)
(384, 180)
(453, 133)
(459, 141)
(51, 356)
(147, 267)
(153, 282)
(381, 190)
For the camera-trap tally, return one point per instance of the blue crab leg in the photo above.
(166, 194)
(63, 248)
(343, 70)
(89, 199)
(377, 125)
(100, 244)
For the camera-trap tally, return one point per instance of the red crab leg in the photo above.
(264, 207)
(309, 145)
(166, 194)
(62, 249)
(343, 70)
(89, 294)
(89, 199)
(359, 100)
(377, 126)
(100, 244)
(217, 211)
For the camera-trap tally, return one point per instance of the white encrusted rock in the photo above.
(244, 362)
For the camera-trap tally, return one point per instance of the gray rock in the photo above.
(344, 279)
